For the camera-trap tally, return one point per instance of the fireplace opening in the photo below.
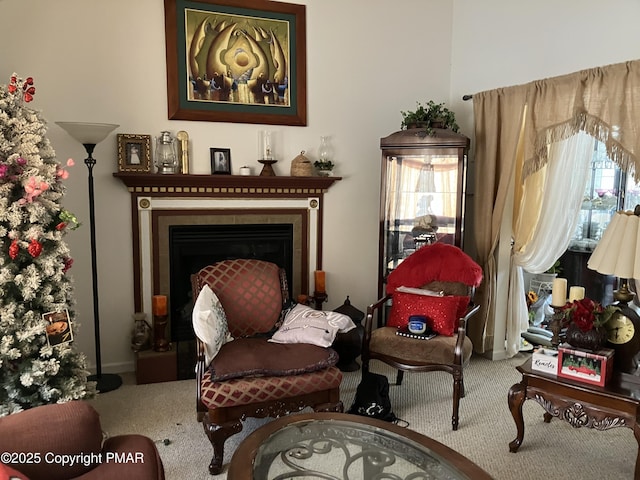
(192, 247)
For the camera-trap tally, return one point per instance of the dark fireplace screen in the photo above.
(192, 247)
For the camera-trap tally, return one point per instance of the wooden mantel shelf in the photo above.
(156, 183)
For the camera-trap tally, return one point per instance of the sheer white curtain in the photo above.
(545, 222)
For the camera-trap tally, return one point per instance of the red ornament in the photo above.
(61, 226)
(67, 264)
(13, 250)
(34, 248)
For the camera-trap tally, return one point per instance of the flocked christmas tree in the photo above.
(38, 361)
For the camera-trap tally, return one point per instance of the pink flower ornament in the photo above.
(33, 188)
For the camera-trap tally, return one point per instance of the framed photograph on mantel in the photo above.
(220, 161)
(134, 153)
(240, 61)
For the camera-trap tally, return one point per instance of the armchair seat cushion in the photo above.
(257, 357)
(438, 349)
(245, 391)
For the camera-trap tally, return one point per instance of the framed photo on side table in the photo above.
(221, 161)
(240, 61)
(134, 153)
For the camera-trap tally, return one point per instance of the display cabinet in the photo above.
(422, 193)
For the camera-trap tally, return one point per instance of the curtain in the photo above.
(498, 119)
(603, 102)
(545, 219)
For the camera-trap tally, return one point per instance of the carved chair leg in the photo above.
(458, 388)
(217, 435)
(399, 377)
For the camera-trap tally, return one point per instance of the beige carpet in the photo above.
(166, 413)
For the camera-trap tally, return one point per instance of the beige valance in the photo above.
(603, 102)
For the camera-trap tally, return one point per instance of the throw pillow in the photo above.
(437, 261)
(256, 357)
(442, 312)
(210, 323)
(303, 324)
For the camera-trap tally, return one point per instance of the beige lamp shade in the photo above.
(618, 252)
(88, 133)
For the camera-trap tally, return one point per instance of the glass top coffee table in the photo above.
(345, 447)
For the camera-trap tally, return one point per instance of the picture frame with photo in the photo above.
(220, 161)
(58, 328)
(134, 153)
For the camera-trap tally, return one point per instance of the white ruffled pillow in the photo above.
(303, 324)
(210, 323)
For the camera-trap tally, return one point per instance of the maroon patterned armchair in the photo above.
(249, 376)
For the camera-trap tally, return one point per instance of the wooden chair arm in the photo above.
(462, 331)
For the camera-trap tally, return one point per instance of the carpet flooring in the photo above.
(165, 412)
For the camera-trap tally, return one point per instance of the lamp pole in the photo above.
(108, 382)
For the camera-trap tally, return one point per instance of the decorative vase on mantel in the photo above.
(593, 339)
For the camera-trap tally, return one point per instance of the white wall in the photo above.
(497, 43)
(104, 61)
(367, 60)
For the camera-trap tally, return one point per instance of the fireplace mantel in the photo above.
(157, 199)
(224, 185)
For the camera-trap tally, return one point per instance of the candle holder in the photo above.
(319, 298)
(160, 343)
(555, 325)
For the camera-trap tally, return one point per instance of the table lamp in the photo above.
(618, 253)
(89, 135)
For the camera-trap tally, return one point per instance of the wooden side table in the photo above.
(615, 405)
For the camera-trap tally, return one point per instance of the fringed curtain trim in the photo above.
(581, 122)
(603, 102)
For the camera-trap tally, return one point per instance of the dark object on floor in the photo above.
(372, 398)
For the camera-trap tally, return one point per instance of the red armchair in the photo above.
(42, 439)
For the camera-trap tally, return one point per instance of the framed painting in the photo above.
(240, 61)
(134, 153)
(220, 161)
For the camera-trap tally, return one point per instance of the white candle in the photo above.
(245, 171)
(576, 293)
(559, 292)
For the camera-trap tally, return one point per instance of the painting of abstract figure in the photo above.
(237, 61)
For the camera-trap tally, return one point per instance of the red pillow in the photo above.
(442, 312)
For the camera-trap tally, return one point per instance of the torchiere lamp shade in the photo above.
(88, 133)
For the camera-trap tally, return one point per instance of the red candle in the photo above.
(159, 304)
(320, 281)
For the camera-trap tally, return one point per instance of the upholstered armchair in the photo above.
(437, 281)
(250, 376)
(42, 439)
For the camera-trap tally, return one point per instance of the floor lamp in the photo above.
(89, 135)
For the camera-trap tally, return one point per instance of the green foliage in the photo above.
(555, 268)
(324, 164)
(428, 116)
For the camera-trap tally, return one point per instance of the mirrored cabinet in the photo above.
(422, 193)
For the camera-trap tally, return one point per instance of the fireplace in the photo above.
(206, 218)
(192, 247)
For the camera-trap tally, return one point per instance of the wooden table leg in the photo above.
(636, 433)
(516, 399)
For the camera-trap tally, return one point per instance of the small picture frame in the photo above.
(134, 153)
(220, 161)
(58, 328)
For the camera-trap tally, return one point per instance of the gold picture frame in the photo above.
(134, 153)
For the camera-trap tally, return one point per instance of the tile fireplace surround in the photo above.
(159, 201)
